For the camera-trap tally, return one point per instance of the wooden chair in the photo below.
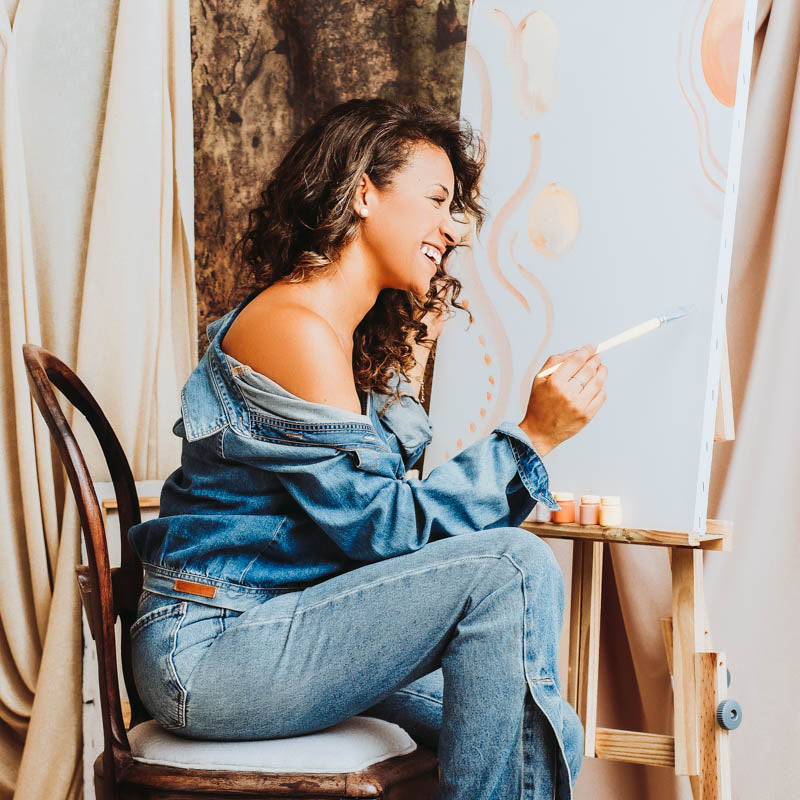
(129, 765)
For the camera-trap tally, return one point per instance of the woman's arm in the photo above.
(354, 489)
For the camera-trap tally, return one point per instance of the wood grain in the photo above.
(717, 536)
(636, 748)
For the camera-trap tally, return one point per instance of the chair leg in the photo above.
(584, 638)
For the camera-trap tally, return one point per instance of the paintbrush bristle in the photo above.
(679, 312)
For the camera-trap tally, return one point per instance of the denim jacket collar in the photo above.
(211, 400)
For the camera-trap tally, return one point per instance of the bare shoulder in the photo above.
(295, 347)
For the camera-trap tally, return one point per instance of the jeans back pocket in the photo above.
(153, 640)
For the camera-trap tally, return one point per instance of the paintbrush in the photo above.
(630, 334)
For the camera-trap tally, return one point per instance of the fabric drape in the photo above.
(97, 266)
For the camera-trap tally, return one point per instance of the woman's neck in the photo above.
(344, 294)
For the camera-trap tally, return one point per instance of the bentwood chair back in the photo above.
(371, 758)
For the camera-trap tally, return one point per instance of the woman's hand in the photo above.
(563, 403)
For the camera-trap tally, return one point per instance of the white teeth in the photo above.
(433, 253)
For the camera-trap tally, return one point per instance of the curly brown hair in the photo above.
(305, 217)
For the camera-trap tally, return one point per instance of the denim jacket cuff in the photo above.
(530, 467)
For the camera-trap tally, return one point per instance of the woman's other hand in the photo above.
(563, 403)
(434, 322)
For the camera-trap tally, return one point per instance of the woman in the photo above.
(297, 575)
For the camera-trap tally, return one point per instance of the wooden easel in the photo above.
(700, 747)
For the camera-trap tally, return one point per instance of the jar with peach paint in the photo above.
(610, 512)
(567, 502)
(589, 512)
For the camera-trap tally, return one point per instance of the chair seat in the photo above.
(348, 746)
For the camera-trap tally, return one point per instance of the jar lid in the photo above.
(562, 496)
(590, 498)
(610, 500)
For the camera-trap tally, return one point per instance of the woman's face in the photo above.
(409, 218)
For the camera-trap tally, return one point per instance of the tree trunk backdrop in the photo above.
(262, 72)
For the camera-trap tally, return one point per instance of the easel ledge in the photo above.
(718, 534)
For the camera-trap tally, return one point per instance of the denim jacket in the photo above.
(275, 493)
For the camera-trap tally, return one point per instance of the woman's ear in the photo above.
(363, 196)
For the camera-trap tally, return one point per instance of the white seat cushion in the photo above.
(348, 746)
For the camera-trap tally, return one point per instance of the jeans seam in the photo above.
(171, 663)
(420, 694)
(558, 735)
(140, 623)
(220, 618)
(243, 625)
(398, 576)
(377, 582)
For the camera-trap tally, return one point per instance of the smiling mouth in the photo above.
(431, 263)
(429, 251)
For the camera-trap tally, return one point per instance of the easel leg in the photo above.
(666, 633)
(715, 771)
(687, 637)
(584, 639)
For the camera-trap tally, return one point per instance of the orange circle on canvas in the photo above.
(553, 221)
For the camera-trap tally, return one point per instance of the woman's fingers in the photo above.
(591, 377)
(589, 390)
(576, 385)
(594, 404)
(569, 362)
(556, 359)
(576, 362)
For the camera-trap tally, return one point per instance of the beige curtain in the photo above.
(97, 265)
(752, 592)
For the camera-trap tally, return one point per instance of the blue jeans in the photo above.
(441, 641)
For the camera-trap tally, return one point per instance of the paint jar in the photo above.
(590, 509)
(541, 513)
(567, 502)
(610, 512)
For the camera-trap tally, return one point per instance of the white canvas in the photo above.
(614, 136)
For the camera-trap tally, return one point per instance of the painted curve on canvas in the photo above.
(531, 56)
(700, 112)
